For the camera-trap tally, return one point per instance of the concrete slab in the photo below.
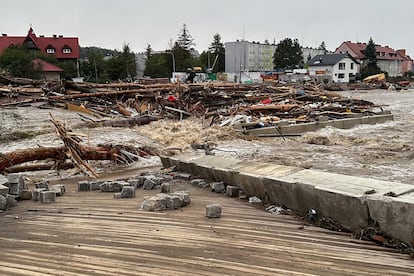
(203, 166)
(347, 184)
(351, 201)
(394, 215)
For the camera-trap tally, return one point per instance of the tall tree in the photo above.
(148, 51)
(123, 65)
(156, 66)
(17, 60)
(370, 65)
(217, 49)
(288, 55)
(185, 40)
(322, 46)
(183, 58)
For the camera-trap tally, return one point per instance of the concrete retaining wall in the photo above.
(298, 129)
(349, 200)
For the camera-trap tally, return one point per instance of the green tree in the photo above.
(183, 58)
(156, 66)
(217, 50)
(93, 68)
(185, 40)
(370, 65)
(70, 69)
(18, 61)
(123, 65)
(288, 55)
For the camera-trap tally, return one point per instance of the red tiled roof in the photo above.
(46, 66)
(357, 51)
(58, 43)
(7, 41)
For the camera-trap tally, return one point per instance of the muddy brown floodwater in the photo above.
(382, 151)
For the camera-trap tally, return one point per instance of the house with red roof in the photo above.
(63, 48)
(388, 59)
(48, 70)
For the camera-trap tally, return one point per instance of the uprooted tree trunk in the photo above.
(72, 150)
(114, 153)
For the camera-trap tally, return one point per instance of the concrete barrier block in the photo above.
(203, 166)
(293, 195)
(47, 197)
(395, 215)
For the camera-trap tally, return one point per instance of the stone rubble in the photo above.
(213, 210)
(166, 201)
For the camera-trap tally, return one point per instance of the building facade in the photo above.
(243, 56)
(388, 59)
(333, 68)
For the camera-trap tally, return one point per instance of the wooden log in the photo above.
(129, 122)
(58, 153)
(105, 93)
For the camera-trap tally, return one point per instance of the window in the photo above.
(67, 50)
(352, 66)
(341, 76)
(341, 66)
(50, 50)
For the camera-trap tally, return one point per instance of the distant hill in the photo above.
(85, 51)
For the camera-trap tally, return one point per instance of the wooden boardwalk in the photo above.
(90, 233)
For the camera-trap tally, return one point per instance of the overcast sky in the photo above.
(110, 24)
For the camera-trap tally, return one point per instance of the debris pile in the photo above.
(221, 103)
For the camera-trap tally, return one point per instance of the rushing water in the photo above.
(382, 151)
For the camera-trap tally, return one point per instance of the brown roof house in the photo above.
(388, 59)
(47, 70)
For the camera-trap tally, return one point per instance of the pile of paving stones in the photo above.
(14, 187)
(166, 201)
(214, 210)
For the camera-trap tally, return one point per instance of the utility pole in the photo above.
(96, 70)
